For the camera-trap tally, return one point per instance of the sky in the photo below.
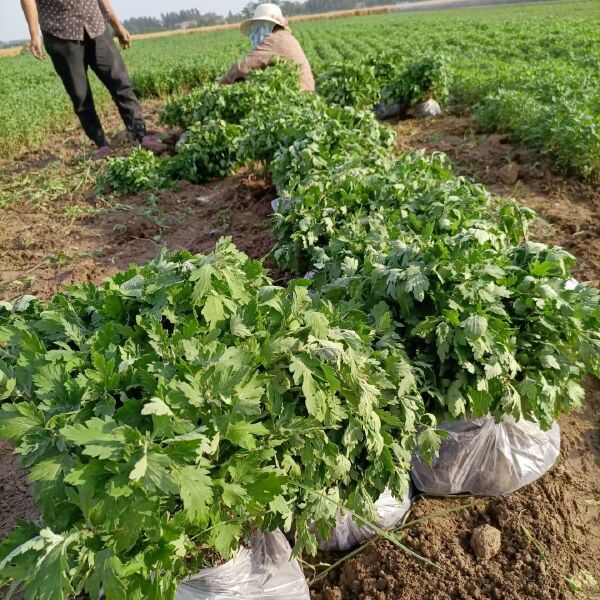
(13, 26)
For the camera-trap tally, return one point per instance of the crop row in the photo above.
(532, 71)
(188, 402)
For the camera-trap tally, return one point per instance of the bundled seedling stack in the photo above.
(186, 403)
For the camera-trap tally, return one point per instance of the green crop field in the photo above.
(530, 70)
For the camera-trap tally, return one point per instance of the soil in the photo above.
(568, 209)
(82, 236)
(43, 248)
(549, 530)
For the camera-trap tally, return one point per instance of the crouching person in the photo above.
(76, 36)
(270, 37)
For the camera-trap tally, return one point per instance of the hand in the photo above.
(123, 36)
(37, 47)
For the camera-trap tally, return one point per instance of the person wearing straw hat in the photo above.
(270, 37)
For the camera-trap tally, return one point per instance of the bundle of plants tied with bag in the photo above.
(186, 405)
(502, 338)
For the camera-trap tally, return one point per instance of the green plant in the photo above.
(139, 171)
(232, 103)
(209, 152)
(349, 84)
(419, 81)
(187, 402)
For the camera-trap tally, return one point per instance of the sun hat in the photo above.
(264, 12)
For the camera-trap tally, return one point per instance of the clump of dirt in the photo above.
(486, 541)
(568, 208)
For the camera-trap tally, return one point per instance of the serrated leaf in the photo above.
(213, 310)
(157, 407)
(139, 468)
(244, 434)
(196, 492)
(226, 539)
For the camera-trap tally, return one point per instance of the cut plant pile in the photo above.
(180, 407)
(188, 401)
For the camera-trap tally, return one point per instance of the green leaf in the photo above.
(238, 328)
(157, 407)
(226, 538)
(100, 438)
(429, 442)
(243, 433)
(316, 400)
(475, 326)
(110, 571)
(213, 310)
(196, 492)
(140, 467)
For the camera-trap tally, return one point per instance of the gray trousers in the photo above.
(71, 60)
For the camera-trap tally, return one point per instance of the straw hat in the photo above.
(264, 12)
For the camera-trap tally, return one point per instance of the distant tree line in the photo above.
(11, 43)
(181, 19)
(186, 19)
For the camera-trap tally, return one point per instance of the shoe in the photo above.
(102, 153)
(150, 142)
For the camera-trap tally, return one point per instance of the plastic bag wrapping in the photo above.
(348, 534)
(262, 571)
(281, 204)
(486, 458)
(181, 142)
(387, 111)
(429, 108)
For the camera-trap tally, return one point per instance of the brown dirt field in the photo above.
(550, 530)
(43, 248)
(79, 236)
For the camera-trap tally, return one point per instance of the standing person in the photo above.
(76, 36)
(270, 37)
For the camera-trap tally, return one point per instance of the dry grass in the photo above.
(16, 50)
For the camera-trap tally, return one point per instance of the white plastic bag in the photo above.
(486, 458)
(348, 534)
(182, 141)
(262, 571)
(281, 204)
(429, 108)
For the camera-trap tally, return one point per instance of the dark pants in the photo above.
(71, 60)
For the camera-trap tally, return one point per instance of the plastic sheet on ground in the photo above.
(261, 571)
(486, 458)
(384, 111)
(348, 534)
